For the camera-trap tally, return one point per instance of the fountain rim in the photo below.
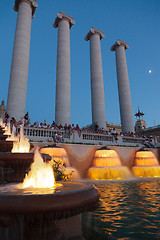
(71, 202)
(7, 155)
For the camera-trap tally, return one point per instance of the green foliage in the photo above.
(59, 171)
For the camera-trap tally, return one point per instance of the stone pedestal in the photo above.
(97, 88)
(123, 86)
(17, 92)
(71, 227)
(63, 82)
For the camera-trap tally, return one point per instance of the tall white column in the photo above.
(63, 79)
(123, 86)
(97, 88)
(17, 91)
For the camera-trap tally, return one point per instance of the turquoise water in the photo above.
(128, 210)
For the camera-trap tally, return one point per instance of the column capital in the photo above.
(33, 4)
(63, 16)
(94, 31)
(119, 43)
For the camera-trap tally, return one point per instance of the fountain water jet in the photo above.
(107, 166)
(146, 164)
(7, 129)
(40, 175)
(22, 145)
(2, 125)
(16, 163)
(13, 136)
(39, 206)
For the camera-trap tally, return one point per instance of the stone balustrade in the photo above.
(44, 134)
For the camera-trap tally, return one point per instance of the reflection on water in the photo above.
(129, 210)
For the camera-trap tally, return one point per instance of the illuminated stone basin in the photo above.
(107, 166)
(34, 212)
(146, 164)
(19, 162)
(59, 155)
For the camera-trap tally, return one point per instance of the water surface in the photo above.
(129, 210)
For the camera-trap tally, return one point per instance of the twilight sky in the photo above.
(136, 22)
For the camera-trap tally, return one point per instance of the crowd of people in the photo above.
(70, 128)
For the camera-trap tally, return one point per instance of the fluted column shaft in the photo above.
(124, 89)
(17, 92)
(63, 79)
(97, 88)
(63, 82)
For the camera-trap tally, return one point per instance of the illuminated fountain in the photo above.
(6, 137)
(107, 166)
(16, 158)
(7, 129)
(40, 175)
(22, 145)
(13, 137)
(59, 155)
(2, 124)
(32, 209)
(146, 164)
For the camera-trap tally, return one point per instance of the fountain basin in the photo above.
(68, 200)
(146, 171)
(57, 154)
(19, 162)
(109, 173)
(6, 146)
(3, 137)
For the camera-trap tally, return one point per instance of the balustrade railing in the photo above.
(133, 140)
(97, 137)
(42, 134)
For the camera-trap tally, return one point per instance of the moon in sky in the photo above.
(150, 71)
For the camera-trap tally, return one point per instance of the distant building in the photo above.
(140, 123)
(142, 130)
(2, 110)
(151, 131)
(110, 126)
